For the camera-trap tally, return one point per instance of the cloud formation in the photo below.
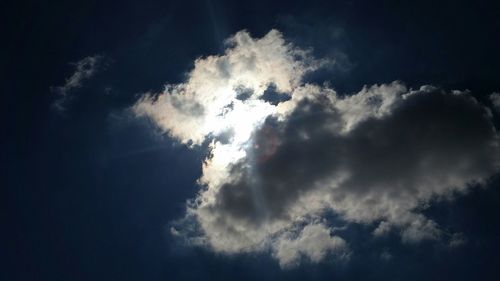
(277, 167)
(84, 69)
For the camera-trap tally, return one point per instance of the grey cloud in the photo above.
(457, 240)
(495, 100)
(431, 145)
(386, 255)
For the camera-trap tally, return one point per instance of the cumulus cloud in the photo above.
(84, 69)
(277, 167)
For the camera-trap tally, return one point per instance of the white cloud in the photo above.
(84, 69)
(314, 243)
(376, 157)
(193, 110)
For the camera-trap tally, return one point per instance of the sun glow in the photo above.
(235, 123)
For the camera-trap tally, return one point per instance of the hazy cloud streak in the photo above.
(84, 70)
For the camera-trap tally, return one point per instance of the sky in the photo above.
(268, 140)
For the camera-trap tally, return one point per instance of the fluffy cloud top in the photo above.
(202, 105)
(376, 157)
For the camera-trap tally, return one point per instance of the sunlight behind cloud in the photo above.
(275, 167)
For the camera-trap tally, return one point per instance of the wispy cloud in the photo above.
(84, 70)
(376, 157)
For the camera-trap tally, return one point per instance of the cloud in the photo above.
(457, 240)
(84, 70)
(495, 100)
(314, 242)
(386, 255)
(191, 111)
(276, 167)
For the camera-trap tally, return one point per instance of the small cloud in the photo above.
(495, 100)
(383, 228)
(108, 90)
(457, 240)
(174, 231)
(386, 255)
(313, 243)
(420, 228)
(84, 70)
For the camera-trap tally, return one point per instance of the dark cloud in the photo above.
(432, 144)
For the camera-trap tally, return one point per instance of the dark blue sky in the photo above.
(89, 194)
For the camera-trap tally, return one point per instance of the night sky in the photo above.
(95, 187)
